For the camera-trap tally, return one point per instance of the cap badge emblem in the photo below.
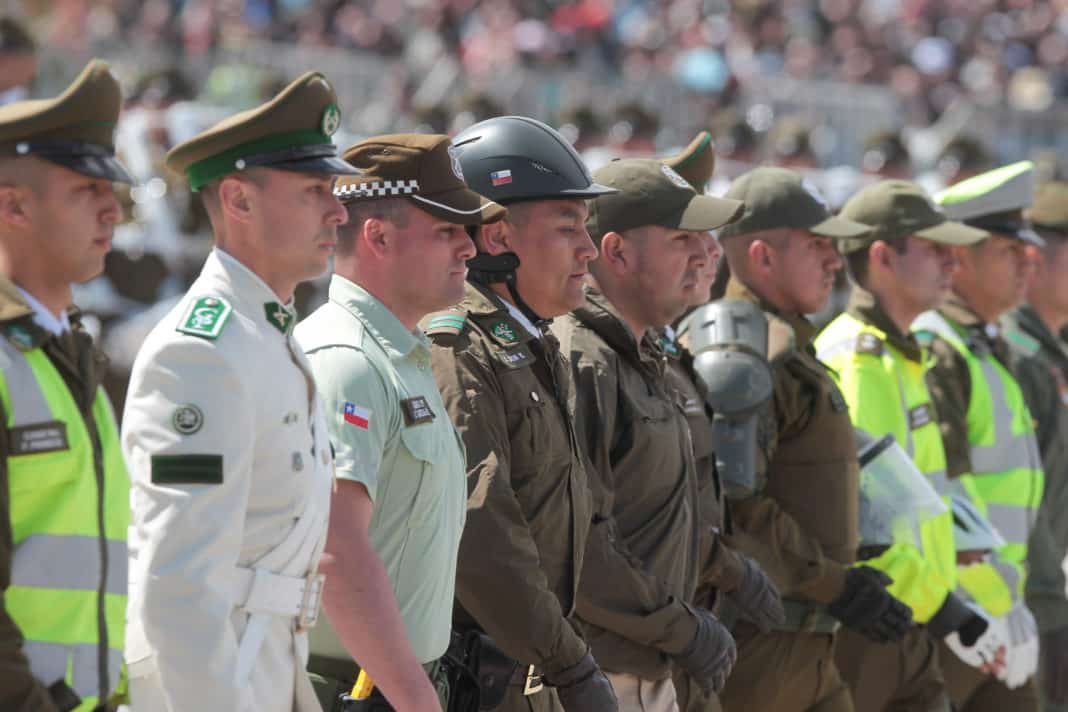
(331, 120)
(454, 158)
(674, 177)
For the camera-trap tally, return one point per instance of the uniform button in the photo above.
(535, 397)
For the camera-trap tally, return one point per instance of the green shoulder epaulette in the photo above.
(445, 323)
(1029, 344)
(924, 337)
(868, 343)
(205, 317)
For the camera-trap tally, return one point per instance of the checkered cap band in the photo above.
(377, 189)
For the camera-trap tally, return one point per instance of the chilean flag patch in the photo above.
(354, 414)
(501, 177)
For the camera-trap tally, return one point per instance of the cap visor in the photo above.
(705, 212)
(837, 226)
(590, 191)
(461, 206)
(952, 233)
(330, 165)
(106, 167)
(1029, 236)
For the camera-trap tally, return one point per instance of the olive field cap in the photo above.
(291, 132)
(513, 158)
(777, 198)
(1050, 209)
(898, 208)
(420, 167)
(696, 162)
(995, 201)
(652, 193)
(75, 129)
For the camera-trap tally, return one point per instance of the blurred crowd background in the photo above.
(845, 90)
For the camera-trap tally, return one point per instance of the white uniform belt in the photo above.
(265, 592)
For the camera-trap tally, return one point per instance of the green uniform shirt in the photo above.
(391, 433)
(1040, 360)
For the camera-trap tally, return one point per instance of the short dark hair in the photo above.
(14, 38)
(857, 262)
(392, 210)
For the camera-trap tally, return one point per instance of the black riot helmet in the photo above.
(512, 159)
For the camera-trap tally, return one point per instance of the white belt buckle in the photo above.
(311, 602)
(533, 683)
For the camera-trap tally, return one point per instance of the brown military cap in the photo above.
(291, 132)
(780, 198)
(75, 130)
(652, 193)
(696, 162)
(1049, 212)
(897, 208)
(424, 169)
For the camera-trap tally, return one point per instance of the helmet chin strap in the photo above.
(487, 269)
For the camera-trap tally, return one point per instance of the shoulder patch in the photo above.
(448, 323)
(205, 317)
(1024, 341)
(514, 357)
(869, 343)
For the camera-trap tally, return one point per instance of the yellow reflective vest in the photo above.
(1006, 481)
(69, 501)
(886, 393)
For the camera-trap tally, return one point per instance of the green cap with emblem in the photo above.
(898, 208)
(423, 168)
(74, 130)
(291, 132)
(696, 162)
(652, 193)
(1049, 212)
(995, 201)
(777, 198)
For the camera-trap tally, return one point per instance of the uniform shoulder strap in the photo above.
(1025, 342)
(444, 325)
(205, 317)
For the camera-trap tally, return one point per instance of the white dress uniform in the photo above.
(232, 469)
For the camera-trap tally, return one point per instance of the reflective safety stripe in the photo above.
(946, 485)
(1005, 453)
(52, 661)
(1012, 521)
(68, 562)
(845, 346)
(27, 398)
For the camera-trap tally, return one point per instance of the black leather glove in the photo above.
(583, 687)
(956, 616)
(756, 597)
(1054, 666)
(711, 655)
(868, 608)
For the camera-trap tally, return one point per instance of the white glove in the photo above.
(1023, 646)
(990, 650)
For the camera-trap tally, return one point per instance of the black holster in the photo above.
(479, 672)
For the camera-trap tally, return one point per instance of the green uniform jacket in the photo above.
(802, 523)
(528, 505)
(642, 563)
(20, 691)
(1041, 360)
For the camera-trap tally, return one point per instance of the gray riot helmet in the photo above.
(896, 500)
(729, 343)
(971, 530)
(512, 158)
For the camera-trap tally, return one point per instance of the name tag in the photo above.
(919, 416)
(416, 411)
(38, 438)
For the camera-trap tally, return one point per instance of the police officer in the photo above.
(800, 521)
(63, 483)
(902, 268)
(633, 595)
(225, 437)
(992, 456)
(723, 572)
(505, 386)
(398, 510)
(1031, 329)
